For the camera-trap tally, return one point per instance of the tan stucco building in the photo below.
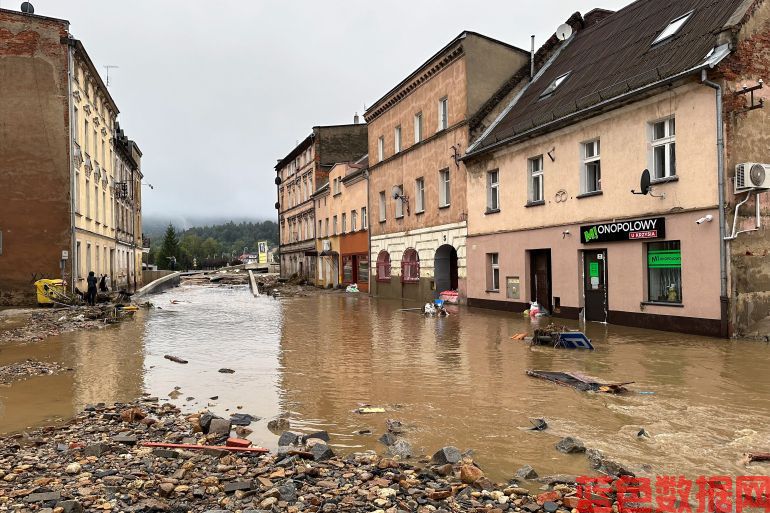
(342, 227)
(298, 176)
(57, 189)
(551, 214)
(417, 133)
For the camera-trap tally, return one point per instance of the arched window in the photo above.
(383, 266)
(410, 266)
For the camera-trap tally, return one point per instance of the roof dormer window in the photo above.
(673, 27)
(554, 85)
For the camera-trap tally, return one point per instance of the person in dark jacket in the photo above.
(91, 294)
(103, 283)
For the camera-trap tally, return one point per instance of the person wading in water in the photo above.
(91, 294)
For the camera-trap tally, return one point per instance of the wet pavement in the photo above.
(453, 381)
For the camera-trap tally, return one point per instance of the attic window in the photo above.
(672, 28)
(554, 85)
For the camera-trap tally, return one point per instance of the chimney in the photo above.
(355, 118)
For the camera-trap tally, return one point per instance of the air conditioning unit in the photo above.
(750, 176)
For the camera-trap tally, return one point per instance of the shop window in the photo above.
(363, 268)
(663, 148)
(383, 266)
(592, 172)
(347, 270)
(664, 272)
(410, 266)
(493, 272)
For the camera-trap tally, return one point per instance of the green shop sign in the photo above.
(664, 259)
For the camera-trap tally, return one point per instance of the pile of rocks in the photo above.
(29, 368)
(49, 322)
(98, 462)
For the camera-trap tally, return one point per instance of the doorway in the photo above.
(595, 292)
(445, 268)
(540, 277)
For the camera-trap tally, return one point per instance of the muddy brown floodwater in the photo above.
(453, 381)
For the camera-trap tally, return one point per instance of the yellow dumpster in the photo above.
(50, 291)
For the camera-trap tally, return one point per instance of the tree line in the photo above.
(210, 246)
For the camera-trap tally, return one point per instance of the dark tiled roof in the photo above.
(615, 56)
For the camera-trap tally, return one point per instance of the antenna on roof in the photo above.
(107, 67)
(27, 8)
(564, 31)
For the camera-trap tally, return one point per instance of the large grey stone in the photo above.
(232, 486)
(220, 427)
(569, 445)
(526, 472)
(96, 449)
(287, 438)
(387, 439)
(43, 497)
(400, 448)
(321, 452)
(446, 455)
(70, 506)
(288, 492)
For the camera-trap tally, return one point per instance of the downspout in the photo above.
(723, 299)
(368, 232)
(74, 264)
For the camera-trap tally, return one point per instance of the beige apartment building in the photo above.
(128, 212)
(298, 175)
(342, 230)
(57, 189)
(551, 213)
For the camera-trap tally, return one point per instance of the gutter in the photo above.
(723, 299)
(712, 60)
(74, 263)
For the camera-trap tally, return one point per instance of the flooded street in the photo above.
(453, 381)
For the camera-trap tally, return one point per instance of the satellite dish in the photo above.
(564, 31)
(28, 8)
(396, 191)
(644, 183)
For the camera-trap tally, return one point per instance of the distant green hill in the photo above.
(214, 243)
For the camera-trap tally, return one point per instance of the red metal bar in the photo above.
(202, 447)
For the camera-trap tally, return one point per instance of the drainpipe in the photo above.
(723, 299)
(369, 231)
(74, 264)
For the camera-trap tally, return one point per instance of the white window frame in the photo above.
(364, 219)
(353, 220)
(536, 179)
(443, 113)
(419, 195)
(400, 203)
(553, 86)
(383, 207)
(334, 225)
(668, 142)
(493, 190)
(587, 187)
(673, 27)
(494, 271)
(344, 222)
(418, 127)
(380, 148)
(397, 139)
(444, 188)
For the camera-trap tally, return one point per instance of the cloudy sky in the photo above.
(214, 92)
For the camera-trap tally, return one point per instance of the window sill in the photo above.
(493, 291)
(491, 211)
(658, 181)
(419, 212)
(661, 303)
(443, 206)
(399, 217)
(534, 203)
(589, 194)
(334, 195)
(382, 221)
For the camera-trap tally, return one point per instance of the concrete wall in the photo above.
(34, 153)
(748, 140)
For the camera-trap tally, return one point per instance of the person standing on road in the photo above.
(91, 294)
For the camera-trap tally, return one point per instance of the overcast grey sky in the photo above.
(214, 92)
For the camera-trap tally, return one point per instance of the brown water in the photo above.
(458, 380)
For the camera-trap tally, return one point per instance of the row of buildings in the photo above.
(70, 179)
(617, 173)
